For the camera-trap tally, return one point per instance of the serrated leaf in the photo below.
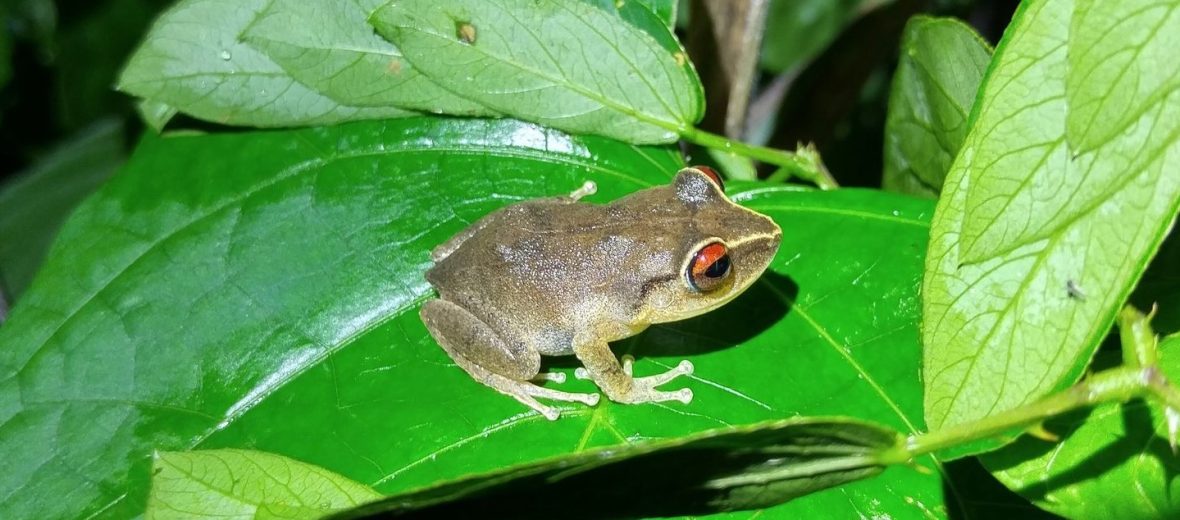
(1088, 474)
(568, 65)
(193, 60)
(941, 66)
(328, 46)
(758, 465)
(1007, 323)
(259, 290)
(38, 200)
(246, 484)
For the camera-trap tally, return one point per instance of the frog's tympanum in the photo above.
(554, 277)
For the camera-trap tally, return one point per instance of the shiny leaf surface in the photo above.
(259, 290)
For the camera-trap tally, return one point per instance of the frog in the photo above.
(560, 276)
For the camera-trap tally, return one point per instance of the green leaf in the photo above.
(797, 30)
(193, 60)
(38, 200)
(568, 65)
(328, 46)
(259, 290)
(665, 10)
(1088, 474)
(1039, 238)
(940, 69)
(246, 484)
(727, 469)
(155, 114)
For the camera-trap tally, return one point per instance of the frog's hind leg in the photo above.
(478, 350)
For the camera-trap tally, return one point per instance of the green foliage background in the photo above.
(231, 289)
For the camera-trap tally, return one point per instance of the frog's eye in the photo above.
(712, 175)
(709, 267)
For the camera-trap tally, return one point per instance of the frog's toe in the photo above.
(588, 188)
(556, 377)
(549, 412)
(683, 369)
(643, 389)
(643, 393)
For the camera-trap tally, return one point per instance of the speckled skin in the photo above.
(558, 277)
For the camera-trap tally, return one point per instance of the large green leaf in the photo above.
(1042, 230)
(194, 60)
(259, 290)
(37, 201)
(1087, 475)
(569, 65)
(328, 46)
(941, 66)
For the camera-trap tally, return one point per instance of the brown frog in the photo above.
(555, 277)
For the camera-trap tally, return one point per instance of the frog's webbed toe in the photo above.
(643, 389)
(527, 392)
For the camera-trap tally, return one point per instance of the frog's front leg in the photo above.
(508, 368)
(615, 379)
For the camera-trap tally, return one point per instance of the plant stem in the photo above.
(804, 164)
(1111, 386)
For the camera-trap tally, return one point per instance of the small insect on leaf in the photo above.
(465, 32)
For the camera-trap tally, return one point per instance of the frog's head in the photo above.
(723, 250)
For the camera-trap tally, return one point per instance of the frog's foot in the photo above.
(588, 188)
(643, 389)
(527, 392)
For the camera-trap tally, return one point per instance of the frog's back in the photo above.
(545, 259)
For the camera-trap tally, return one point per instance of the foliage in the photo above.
(228, 324)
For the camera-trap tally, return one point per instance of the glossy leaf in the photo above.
(940, 69)
(193, 60)
(753, 466)
(568, 65)
(38, 200)
(259, 290)
(1039, 236)
(1088, 474)
(246, 484)
(328, 46)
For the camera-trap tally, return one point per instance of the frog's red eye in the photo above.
(712, 175)
(709, 267)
